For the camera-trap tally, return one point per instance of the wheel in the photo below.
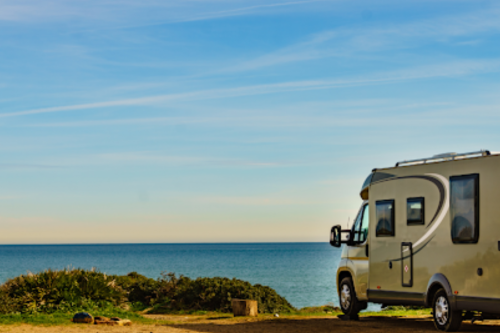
(349, 303)
(445, 319)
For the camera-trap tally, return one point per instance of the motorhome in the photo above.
(427, 234)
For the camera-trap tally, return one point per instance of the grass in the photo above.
(399, 313)
(36, 319)
(63, 318)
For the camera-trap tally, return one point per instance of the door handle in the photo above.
(367, 252)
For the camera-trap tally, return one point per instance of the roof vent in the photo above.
(445, 155)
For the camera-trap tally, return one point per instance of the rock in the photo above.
(126, 322)
(115, 321)
(83, 317)
(245, 307)
(104, 322)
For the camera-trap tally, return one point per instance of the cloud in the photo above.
(143, 13)
(151, 158)
(449, 69)
(289, 116)
(24, 166)
(244, 10)
(348, 42)
(9, 197)
(262, 200)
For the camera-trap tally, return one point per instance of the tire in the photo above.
(445, 319)
(349, 303)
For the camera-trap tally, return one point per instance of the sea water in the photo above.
(304, 273)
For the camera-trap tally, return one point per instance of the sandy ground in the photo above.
(192, 324)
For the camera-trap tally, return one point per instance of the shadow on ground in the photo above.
(319, 325)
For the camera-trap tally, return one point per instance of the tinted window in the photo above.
(464, 208)
(415, 211)
(364, 225)
(355, 227)
(385, 218)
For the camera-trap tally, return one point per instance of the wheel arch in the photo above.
(341, 274)
(436, 282)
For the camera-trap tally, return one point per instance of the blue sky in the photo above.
(229, 121)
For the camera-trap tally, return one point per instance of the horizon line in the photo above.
(199, 243)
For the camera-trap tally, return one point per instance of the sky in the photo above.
(229, 121)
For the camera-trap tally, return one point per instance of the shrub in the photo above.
(215, 294)
(52, 290)
(139, 288)
(77, 289)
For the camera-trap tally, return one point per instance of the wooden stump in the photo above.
(244, 307)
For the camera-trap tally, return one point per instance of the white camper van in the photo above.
(428, 234)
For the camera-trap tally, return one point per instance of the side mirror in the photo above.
(336, 236)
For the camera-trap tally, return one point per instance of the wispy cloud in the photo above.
(262, 200)
(450, 69)
(159, 12)
(284, 116)
(348, 42)
(244, 10)
(9, 197)
(24, 166)
(164, 159)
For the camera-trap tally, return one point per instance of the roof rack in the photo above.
(445, 157)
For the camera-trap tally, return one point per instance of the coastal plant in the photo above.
(140, 289)
(215, 294)
(73, 290)
(52, 290)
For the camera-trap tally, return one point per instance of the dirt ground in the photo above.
(193, 324)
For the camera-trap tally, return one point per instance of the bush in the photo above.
(51, 290)
(215, 294)
(139, 288)
(72, 290)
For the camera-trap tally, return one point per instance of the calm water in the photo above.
(304, 273)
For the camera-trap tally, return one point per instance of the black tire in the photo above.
(445, 319)
(349, 303)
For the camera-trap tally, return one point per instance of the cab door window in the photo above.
(360, 227)
(356, 226)
(363, 235)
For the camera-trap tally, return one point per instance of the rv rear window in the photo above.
(385, 218)
(415, 211)
(464, 208)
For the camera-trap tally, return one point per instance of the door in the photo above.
(359, 251)
(407, 264)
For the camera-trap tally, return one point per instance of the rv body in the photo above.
(424, 226)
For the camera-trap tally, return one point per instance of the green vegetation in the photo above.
(64, 318)
(319, 310)
(72, 290)
(400, 311)
(52, 297)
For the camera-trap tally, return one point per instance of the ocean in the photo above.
(304, 273)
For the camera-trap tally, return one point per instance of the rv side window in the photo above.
(415, 211)
(385, 218)
(464, 208)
